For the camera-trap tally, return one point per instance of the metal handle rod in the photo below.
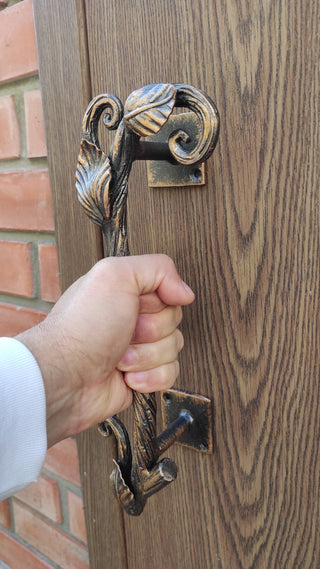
(102, 185)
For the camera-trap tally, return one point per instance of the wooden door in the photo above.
(248, 244)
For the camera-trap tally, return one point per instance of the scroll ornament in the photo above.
(102, 186)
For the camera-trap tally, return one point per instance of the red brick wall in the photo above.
(42, 527)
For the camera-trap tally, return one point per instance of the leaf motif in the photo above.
(126, 497)
(147, 109)
(93, 177)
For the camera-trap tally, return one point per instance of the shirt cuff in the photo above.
(23, 436)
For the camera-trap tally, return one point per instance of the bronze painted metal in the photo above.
(167, 174)
(199, 435)
(102, 186)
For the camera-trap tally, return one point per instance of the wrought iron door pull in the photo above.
(102, 186)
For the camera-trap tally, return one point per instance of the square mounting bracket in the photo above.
(162, 174)
(199, 435)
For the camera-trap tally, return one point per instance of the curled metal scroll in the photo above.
(102, 186)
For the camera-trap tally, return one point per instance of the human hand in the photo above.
(113, 330)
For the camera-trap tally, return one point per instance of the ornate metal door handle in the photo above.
(102, 185)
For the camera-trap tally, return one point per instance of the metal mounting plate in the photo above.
(162, 174)
(199, 436)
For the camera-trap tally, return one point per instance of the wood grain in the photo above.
(249, 245)
(64, 73)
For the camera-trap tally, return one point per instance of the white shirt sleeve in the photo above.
(23, 436)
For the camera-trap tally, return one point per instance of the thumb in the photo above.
(157, 273)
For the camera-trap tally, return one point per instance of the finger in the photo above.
(153, 327)
(161, 377)
(141, 357)
(104, 400)
(143, 274)
(150, 303)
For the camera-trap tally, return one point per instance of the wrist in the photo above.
(49, 357)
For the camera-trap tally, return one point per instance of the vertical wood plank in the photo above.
(249, 245)
(66, 91)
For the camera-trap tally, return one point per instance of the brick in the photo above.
(36, 139)
(9, 129)
(62, 459)
(5, 519)
(15, 319)
(17, 556)
(52, 542)
(16, 268)
(25, 201)
(43, 496)
(18, 51)
(76, 516)
(49, 272)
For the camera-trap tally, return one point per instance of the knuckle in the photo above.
(103, 271)
(153, 327)
(169, 374)
(147, 355)
(167, 260)
(179, 340)
(178, 314)
(147, 328)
